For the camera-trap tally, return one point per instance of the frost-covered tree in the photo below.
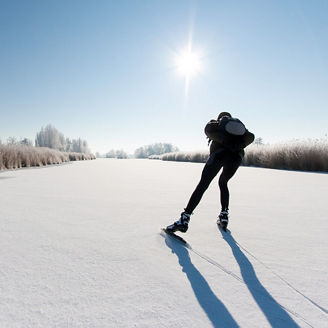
(68, 143)
(155, 149)
(140, 153)
(121, 154)
(79, 146)
(11, 141)
(258, 141)
(26, 142)
(85, 147)
(50, 137)
(110, 154)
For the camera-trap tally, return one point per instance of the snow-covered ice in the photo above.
(80, 246)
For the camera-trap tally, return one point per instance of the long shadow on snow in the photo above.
(274, 312)
(213, 307)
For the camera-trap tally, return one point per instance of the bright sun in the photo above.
(188, 64)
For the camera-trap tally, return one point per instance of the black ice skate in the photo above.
(180, 225)
(223, 220)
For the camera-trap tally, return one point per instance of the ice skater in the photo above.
(228, 137)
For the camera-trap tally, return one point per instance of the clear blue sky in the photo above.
(104, 70)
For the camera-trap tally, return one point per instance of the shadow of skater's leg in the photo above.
(276, 315)
(215, 310)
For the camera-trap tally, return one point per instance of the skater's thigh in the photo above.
(212, 167)
(230, 166)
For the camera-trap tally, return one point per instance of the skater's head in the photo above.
(223, 114)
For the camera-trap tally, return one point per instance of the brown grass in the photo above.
(197, 157)
(18, 156)
(300, 155)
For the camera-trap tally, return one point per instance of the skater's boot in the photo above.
(180, 225)
(223, 219)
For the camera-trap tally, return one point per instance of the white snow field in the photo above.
(81, 246)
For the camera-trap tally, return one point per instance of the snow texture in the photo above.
(81, 246)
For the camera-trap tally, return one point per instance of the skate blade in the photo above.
(222, 227)
(173, 235)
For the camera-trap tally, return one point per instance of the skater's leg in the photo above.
(210, 170)
(229, 169)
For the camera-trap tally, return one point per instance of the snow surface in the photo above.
(81, 246)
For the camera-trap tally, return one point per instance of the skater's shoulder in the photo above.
(213, 121)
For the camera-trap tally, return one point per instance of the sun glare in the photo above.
(188, 64)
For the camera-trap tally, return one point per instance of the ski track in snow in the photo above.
(79, 248)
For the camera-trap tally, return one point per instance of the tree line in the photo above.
(50, 137)
(155, 149)
(151, 150)
(142, 152)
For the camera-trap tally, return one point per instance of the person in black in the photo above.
(228, 137)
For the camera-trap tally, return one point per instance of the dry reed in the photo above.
(300, 155)
(18, 156)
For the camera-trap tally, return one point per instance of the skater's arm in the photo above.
(213, 132)
(237, 143)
